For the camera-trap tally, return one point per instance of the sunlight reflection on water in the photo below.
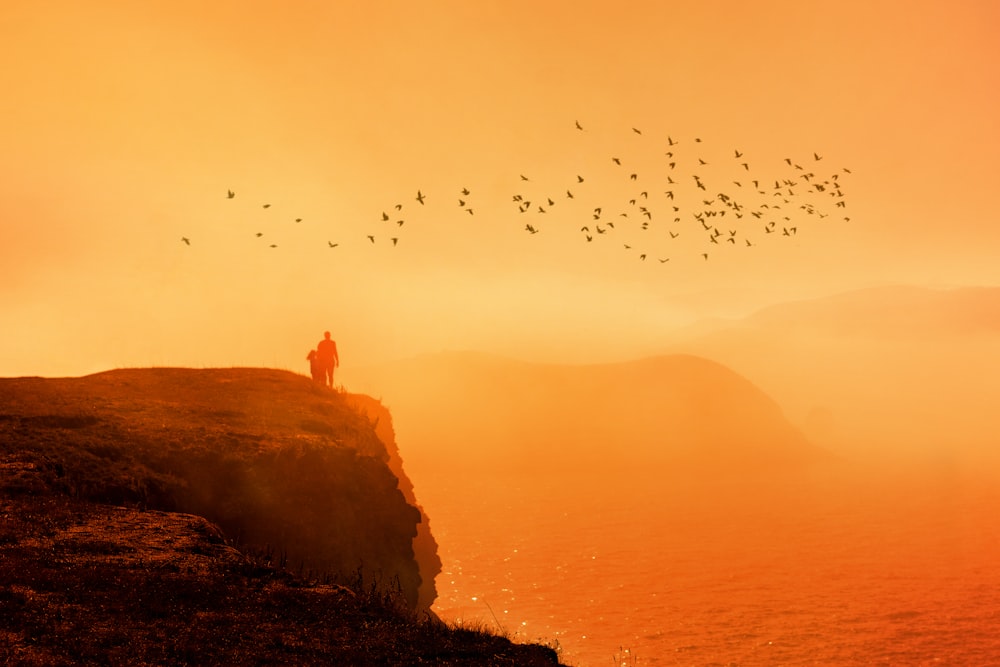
(903, 578)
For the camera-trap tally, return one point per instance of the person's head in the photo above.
(326, 335)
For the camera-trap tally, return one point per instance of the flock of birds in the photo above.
(719, 200)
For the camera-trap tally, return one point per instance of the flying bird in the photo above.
(230, 194)
(331, 244)
(395, 240)
(420, 196)
(371, 238)
(186, 240)
(266, 206)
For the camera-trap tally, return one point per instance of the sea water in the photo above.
(867, 569)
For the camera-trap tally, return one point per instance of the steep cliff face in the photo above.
(424, 545)
(281, 465)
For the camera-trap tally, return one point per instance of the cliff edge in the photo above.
(260, 513)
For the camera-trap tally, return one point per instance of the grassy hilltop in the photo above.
(217, 516)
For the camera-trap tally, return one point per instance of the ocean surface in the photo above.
(858, 568)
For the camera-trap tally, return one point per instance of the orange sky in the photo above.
(124, 124)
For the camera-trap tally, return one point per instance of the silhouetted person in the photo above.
(316, 368)
(326, 351)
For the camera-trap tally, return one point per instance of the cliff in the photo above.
(229, 502)
(673, 414)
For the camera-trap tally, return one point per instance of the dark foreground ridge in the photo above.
(216, 516)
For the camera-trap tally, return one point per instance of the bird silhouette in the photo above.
(230, 194)
(371, 238)
(385, 216)
(578, 126)
(186, 240)
(420, 197)
(266, 206)
(395, 240)
(332, 244)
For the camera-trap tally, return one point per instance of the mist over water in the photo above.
(813, 484)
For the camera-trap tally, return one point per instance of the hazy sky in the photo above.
(125, 124)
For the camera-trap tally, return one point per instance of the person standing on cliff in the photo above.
(316, 368)
(326, 351)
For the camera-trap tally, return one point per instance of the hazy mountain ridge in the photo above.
(897, 311)
(891, 371)
(676, 410)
